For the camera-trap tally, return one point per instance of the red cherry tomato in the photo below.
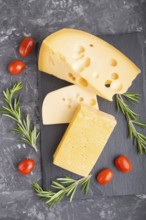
(105, 176)
(26, 166)
(26, 46)
(123, 164)
(16, 67)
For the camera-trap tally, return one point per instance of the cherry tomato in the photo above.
(16, 67)
(123, 164)
(26, 46)
(105, 176)
(26, 166)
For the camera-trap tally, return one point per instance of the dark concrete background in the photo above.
(38, 18)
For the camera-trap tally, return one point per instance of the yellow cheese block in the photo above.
(88, 61)
(59, 106)
(84, 140)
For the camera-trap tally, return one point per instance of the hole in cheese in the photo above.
(63, 99)
(81, 99)
(79, 49)
(108, 83)
(116, 86)
(79, 65)
(113, 62)
(91, 45)
(87, 62)
(115, 76)
(71, 76)
(92, 102)
(83, 82)
(95, 75)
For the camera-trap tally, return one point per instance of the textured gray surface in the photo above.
(34, 17)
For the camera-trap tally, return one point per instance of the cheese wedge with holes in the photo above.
(59, 106)
(88, 61)
(84, 140)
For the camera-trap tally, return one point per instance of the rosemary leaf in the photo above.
(140, 123)
(12, 110)
(66, 187)
(66, 180)
(133, 97)
(85, 186)
(73, 192)
(139, 140)
(57, 185)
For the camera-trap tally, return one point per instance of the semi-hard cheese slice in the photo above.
(84, 140)
(88, 61)
(59, 106)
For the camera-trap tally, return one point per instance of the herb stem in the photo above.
(12, 110)
(139, 139)
(66, 187)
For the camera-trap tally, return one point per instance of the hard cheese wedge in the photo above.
(87, 61)
(59, 106)
(84, 140)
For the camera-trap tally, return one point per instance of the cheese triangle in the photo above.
(87, 61)
(59, 106)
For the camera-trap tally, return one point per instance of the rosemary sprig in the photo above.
(12, 109)
(65, 186)
(139, 140)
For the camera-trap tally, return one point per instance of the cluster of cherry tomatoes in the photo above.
(26, 46)
(122, 163)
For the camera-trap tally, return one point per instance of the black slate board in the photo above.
(122, 184)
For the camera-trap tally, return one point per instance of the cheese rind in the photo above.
(84, 140)
(93, 63)
(59, 106)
